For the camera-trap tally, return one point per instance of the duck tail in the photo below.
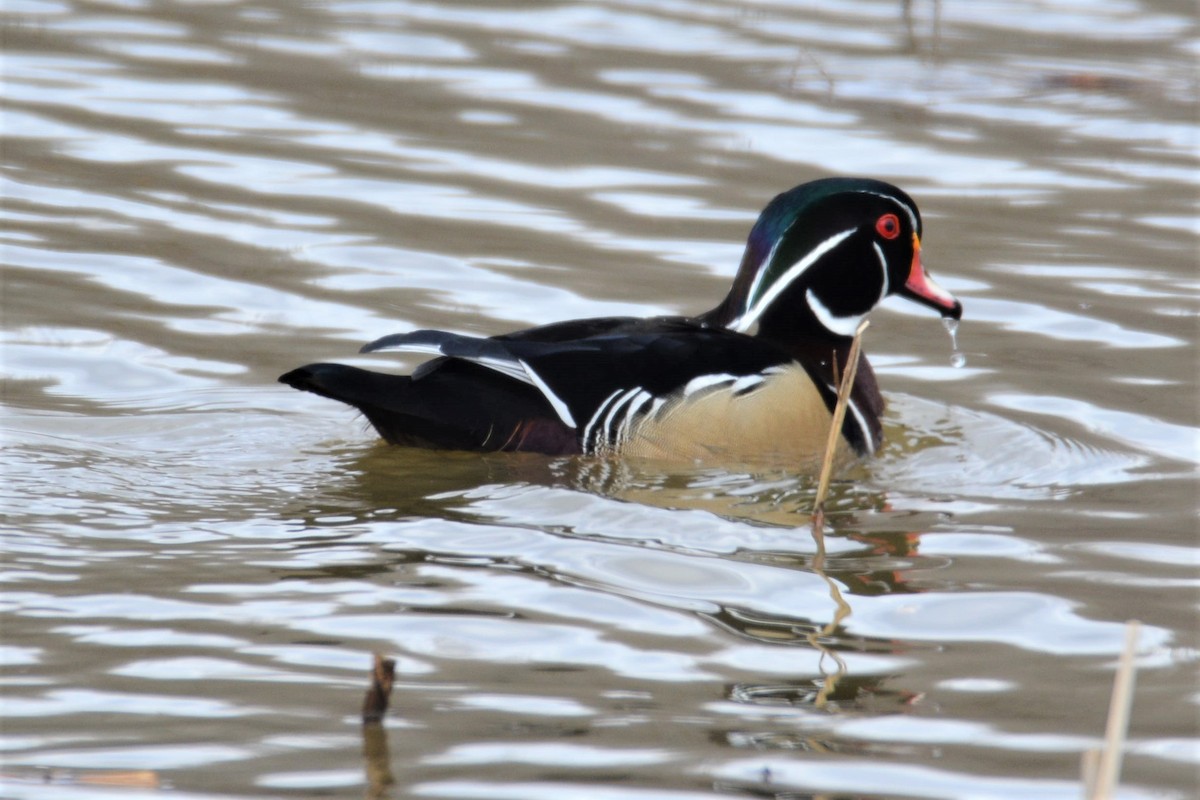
(350, 385)
(379, 396)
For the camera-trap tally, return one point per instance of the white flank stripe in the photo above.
(702, 382)
(746, 382)
(556, 402)
(587, 431)
(607, 430)
(640, 399)
(843, 326)
(852, 407)
(752, 312)
(862, 426)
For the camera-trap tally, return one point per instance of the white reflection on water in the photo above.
(1065, 326)
(1024, 620)
(528, 704)
(1136, 430)
(883, 777)
(459, 283)
(549, 754)
(107, 91)
(169, 52)
(197, 201)
(366, 42)
(286, 230)
(73, 702)
(139, 757)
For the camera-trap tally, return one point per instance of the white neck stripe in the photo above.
(883, 267)
(856, 415)
(868, 440)
(761, 273)
(755, 308)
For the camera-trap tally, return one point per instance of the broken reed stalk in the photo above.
(1102, 773)
(376, 754)
(383, 675)
(835, 429)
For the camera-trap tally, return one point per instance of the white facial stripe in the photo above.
(752, 312)
(884, 269)
(909, 210)
(842, 326)
(556, 402)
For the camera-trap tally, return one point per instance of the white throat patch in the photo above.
(842, 326)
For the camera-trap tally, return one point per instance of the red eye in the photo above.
(888, 226)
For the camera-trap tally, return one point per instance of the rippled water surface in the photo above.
(198, 196)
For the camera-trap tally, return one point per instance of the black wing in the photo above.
(615, 362)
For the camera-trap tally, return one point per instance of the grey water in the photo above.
(199, 562)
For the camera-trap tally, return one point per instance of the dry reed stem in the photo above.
(1101, 780)
(835, 430)
(383, 675)
(1089, 765)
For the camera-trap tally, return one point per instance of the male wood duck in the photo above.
(752, 379)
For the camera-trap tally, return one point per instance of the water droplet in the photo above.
(957, 357)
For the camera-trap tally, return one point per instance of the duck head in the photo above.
(822, 255)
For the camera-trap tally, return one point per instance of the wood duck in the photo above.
(754, 378)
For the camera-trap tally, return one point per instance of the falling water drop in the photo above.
(957, 357)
